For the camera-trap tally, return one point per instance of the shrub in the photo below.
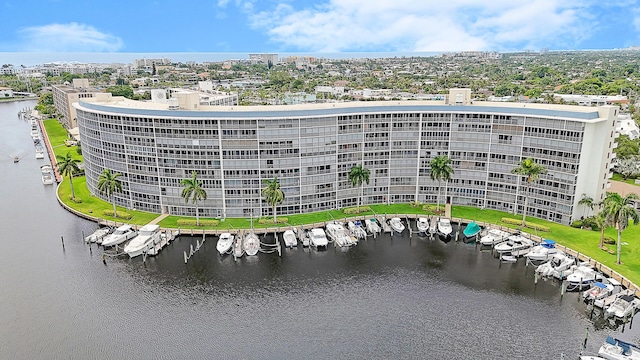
(577, 224)
(415, 204)
(75, 199)
(119, 214)
(354, 210)
(192, 222)
(429, 208)
(526, 224)
(590, 222)
(269, 221)
(609, 240)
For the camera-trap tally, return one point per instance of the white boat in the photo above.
(617, 292)
(597, 291)
(542, 252)
(318, 238)
(583, 276)
(337, 233)
(302, 236)
(47, 175)
(558, 267)
(423, 225)
(225, 243)
(623, 307)
(444, 227)
(238, 249)
(39, 152)
(251, 244)
(615, 349)
(120, 235)
(373, 227)
(97, 235)
(517, 245)
(289, 238)
(396, 224)
(494, 237)
(433, 225)
(355, 227)
(148, 237)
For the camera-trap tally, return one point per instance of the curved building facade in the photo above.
(311, 148)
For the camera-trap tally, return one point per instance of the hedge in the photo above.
(269, 221)
(192, 222)
(526, 224)
(119, 214)
(354, 210)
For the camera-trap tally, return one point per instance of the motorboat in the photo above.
(444, 227)
(433, 225)
(542, 252)
(599, 290)
(355, 227)
(302, 236)
(372, 226)
(39, 152)
(225, 243)
(238, 248)
(396, 224)
(318, 238)
(148, 237)
(97, 235)
(615, 349)
(617, 292)
(508, 257)
(494, 237)
(251, 244)
(337, 233)
(120, 235)
(16, 159)
(583, 276)
(423, 225)
(516, 244)
(558, 267)
(47, 175)
(623, 307)
(289, 238)
(471, 230)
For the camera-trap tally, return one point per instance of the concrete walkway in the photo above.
(158, 219)
(623, 188)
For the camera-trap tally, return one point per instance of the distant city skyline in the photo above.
(328, 26)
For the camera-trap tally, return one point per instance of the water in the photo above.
(385, 298)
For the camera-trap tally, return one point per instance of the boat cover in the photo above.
(600, 285)
(549, 244)
(471, 229)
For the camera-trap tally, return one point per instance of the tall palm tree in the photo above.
(619, 210)
(108, 184)
(601, 222)
(273, 194)
(587, 201)
(67, 166)
(440, 170)
(193, 190)
(359, 175)
(532, 171)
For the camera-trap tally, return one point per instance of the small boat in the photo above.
(423, 225)
(372, 226)
(444, 228)
(558, 267)
(120, 235)
(97, 235)
(289, 238)
(624, 307)
(472, 229)
(47, 176)
(225, 243)
(494, 237)
(583, 276)
(517, 245)
(598, 290)
(16, 159)
(39, 152)
(238, 249)
(508, 257)
(337, 233)
(433, 225)
(617, 292)
(318, 238)
(618, 350)
(396, 224)
(302, 236)
(251, 244)
(147, 238)
(355, 227)
(542, 252)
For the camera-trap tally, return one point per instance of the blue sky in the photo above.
(316, 26)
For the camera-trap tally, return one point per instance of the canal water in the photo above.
(390, 297)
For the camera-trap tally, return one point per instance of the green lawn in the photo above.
(619, 177)
(57, 135)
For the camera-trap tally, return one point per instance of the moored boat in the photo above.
(396, 224)
(558, 267)
(355, 227)
(238, 248)
(583, 276)
(444, 228)
(318, 238)
(147, 237)
(494, 237)
(471, 230)
(623, 307)
(372, 226)
(302, 236)
(516, 244)
(542, 252)
(615, 349)
(423, 225)
(251, 244)
(39, 152)
(225, 243)
(598, 290)
(120, 235)
(99, 234)
(289, 238)
(47, 175)
(337, 233)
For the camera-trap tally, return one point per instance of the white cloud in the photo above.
(409, 25)
(72, 37)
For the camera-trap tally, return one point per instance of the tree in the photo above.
(108, 184)
(532, 171)
(587, 201)
(440, 170)
(67, 166)
(193, 190)
(601, 222)
(273, 194)
(358, 175)
(619, 210)
(121, 90)
(628, 167)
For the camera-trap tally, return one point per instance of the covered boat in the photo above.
(472, 229)
(542, 252)
(618, 349)
(289, 238)
(599, 290)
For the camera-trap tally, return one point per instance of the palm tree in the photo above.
(67, 166)
(587, 201)
(440, 170)
(273, 194)
(193, 190)
(108, 184)
(532, 170)
(358, 175)
(619, 210)
(601, 222)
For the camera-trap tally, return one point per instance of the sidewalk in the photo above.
(158, 219)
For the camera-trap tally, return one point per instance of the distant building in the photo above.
(264, 58)
(627, 126)
(148, 63)
(6, 92)
(594, 100)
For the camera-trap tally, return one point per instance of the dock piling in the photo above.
(62, 239)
